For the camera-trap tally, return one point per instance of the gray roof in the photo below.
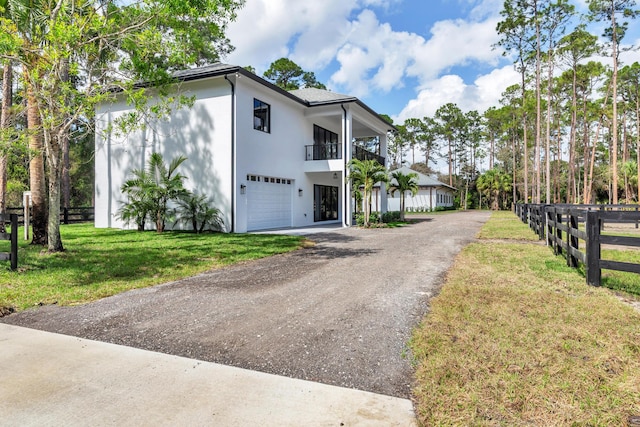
(423, 180)
(309, 96)
(205, 71)
(320, 96)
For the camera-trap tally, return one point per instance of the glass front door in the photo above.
(325, 202)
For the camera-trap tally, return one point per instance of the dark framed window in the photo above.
(325, 144)
(261, 116)
(325, 203)
(322, 136)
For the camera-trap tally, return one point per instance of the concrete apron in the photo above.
(53, 379)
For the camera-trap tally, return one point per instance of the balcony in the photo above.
(362, 154)
(331, 151)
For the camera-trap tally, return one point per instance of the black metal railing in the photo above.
(362, 154)
(331, 151)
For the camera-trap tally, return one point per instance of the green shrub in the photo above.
(374, 218)
(392, 216)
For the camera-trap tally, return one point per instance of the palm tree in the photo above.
(7, 101)
(494, 183)
(404, 183)
(366, 173)
(150, 190)
(195, 211)
(27, 15)
(138, 206)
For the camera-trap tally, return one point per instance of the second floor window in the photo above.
(261, 116)
(322, 136)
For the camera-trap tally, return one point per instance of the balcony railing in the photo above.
(323, 151)
(333, 151)
(362, 154)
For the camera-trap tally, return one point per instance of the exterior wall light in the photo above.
(299, 192)
(243, 189)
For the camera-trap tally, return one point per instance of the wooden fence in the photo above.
(559, 224)
(12, 236)
(67, 215)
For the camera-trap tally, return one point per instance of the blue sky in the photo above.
(404, 58)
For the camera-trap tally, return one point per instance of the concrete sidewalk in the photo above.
(51, 379)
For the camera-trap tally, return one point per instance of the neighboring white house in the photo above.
(431, 194)
(268, 158)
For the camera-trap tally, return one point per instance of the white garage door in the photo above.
(268, 202)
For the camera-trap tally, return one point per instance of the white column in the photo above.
(383, 187)
(347, 137)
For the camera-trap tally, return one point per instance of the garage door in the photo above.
(268, 202)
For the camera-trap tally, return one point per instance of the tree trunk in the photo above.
(547, 156)
(614, 99)
(571, 179)
(66, 180)
(536, 159)
(54, 163)
(365, 206)
(491, 149)
(450, 158)
(5, 124)
(586, 196)
(638, 145)
(514, 173)
(36, 170)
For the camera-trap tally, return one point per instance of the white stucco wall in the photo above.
(424, 199)
(202, 133)
(279, 153)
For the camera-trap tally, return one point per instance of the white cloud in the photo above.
(264, 31)
(434, 94)
(375, 56)
(455, 43)
(485, 92)
(629, 56)
(371, 56)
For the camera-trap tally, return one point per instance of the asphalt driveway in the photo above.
(339, 312)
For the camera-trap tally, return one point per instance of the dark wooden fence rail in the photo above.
(12, 236)
(559, 224)
(67, 215)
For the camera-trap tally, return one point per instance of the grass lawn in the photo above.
(102, 262)
(517, 338)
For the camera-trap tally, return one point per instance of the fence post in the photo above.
(594, 273)
(549, 217)
(558, 239)
(572, 240)
(14, 241)
(541, 221)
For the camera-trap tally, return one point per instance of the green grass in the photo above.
(517, 338)
(620, 280)
(505, 225)
(102, 262)
(442, 212)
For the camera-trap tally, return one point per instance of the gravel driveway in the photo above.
(338, 313)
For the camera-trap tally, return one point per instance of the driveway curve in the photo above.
(339, 312)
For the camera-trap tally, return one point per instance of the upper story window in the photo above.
(322, 136)
(261, 116)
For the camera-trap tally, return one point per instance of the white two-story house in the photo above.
(266, 157)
